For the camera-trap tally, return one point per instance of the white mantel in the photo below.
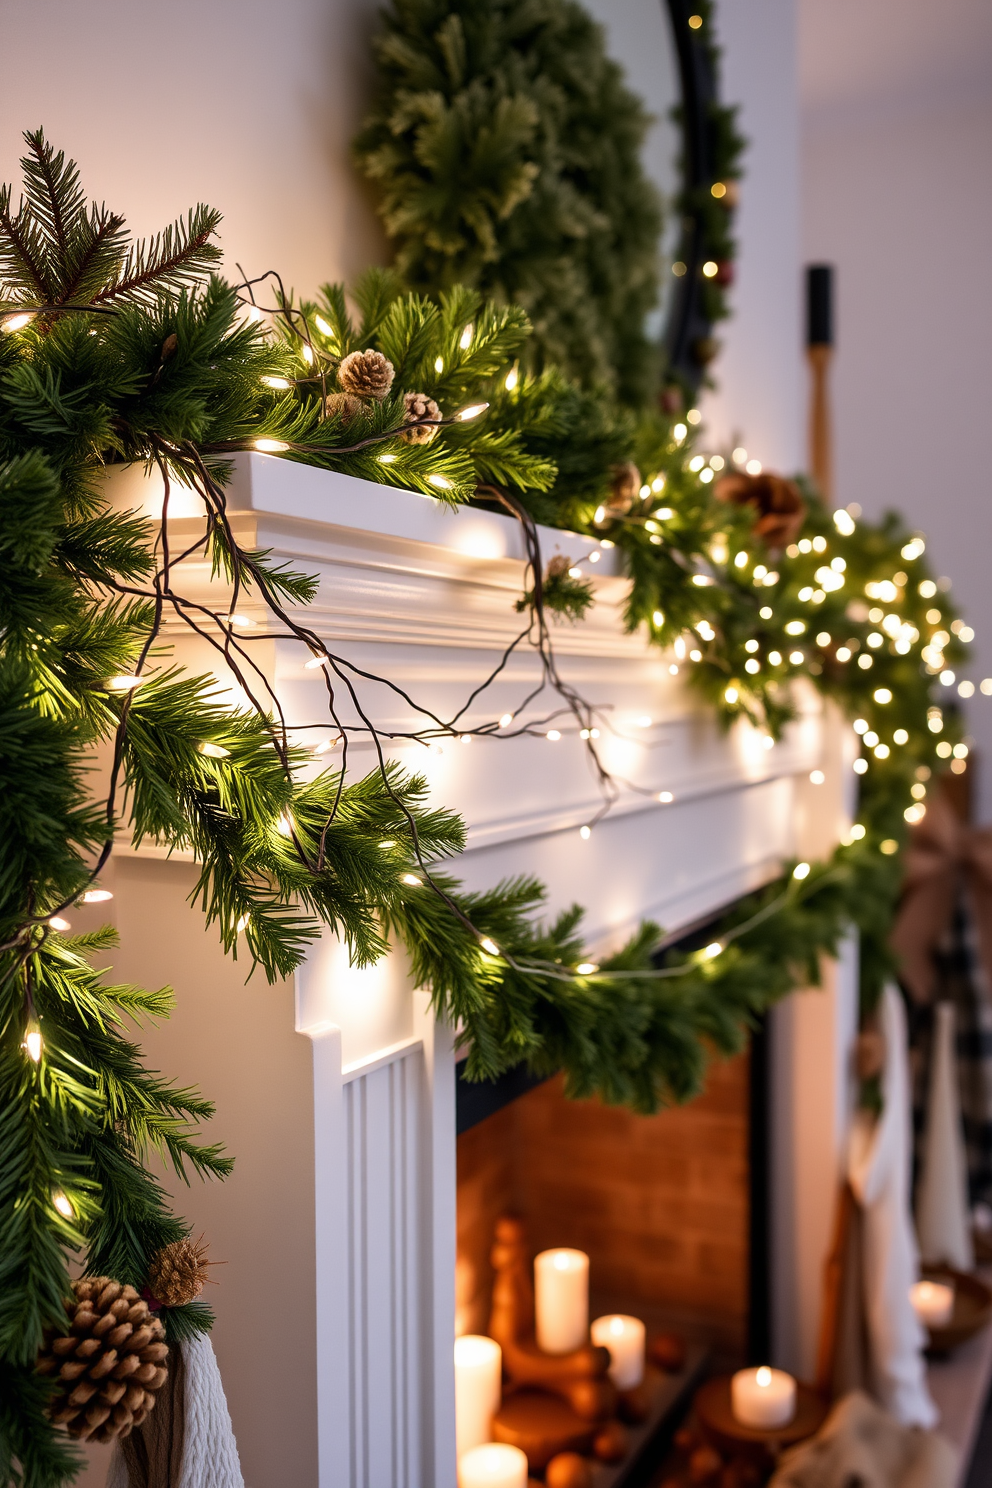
(425, 596)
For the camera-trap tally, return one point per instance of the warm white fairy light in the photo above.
(801, 871)
(308, 354)
(271, 446)
(212, 751)
(472, 411)
(465, 339)
(489, 945)
(741, 560)
(60, 924)
(870, 738)
(914, 814)
(752, 665)
(15, 322)
(843, 653)
(775, 658)
(844, 522)
(464, 738)
(95, 896)
(730, 694)
(673, 669)
(961, 751)
(326, 745)
(387, 843)
(412, 881)
(280, 384)
(439, 364)
(587, 968)
(33, 1042)
(797, 657)
(595, 556)
(865, 661)
(795, 627)
(816, 777)
(679, 432)
(322, 326)
(241, 621)
(881, 751)
(441, 481)
(665, 797)
(243, 922)
(753, 467)
(554, 735)
(944, 749)
(61, 1202)
(901, 736)
(585, 833)
(714, 949)
(706, 476)
(124, 683)
(574, 572)
(314, 664)
(658, 485)
(512, 378)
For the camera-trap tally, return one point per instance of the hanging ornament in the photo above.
(109, 1365)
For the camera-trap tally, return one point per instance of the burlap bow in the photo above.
(943, 854)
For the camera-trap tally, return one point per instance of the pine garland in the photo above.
(119, 352)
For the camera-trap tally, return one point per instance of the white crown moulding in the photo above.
(424, 594)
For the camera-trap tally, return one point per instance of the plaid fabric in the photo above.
(961, 979)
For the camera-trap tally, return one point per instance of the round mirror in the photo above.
(669, 63)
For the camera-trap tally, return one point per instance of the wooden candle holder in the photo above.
(552, 1403)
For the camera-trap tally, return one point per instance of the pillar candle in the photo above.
(624, 1337)
(763, 1398)
(495, 1465)
(932, 1302)
(478, 1389)
(561, 1300)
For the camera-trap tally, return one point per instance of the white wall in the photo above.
(244, 104)
(760, 397)
(897, 135)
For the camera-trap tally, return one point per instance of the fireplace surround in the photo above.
(426, 595)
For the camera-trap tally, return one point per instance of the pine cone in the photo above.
(779, 507)
(110, 1363)
(177, 1272)
(346, 404)
(367, 374)
(625, 487)
(419, 406)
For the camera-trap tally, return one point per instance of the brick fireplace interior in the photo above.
(661, 1204)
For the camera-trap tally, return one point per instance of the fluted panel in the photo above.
(386, 1327)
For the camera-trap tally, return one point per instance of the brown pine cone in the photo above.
(779, 506)
(110, 1363)
(625, 487)
(366, 374)
(346, 404)
(419, 406)
(177, 1272)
